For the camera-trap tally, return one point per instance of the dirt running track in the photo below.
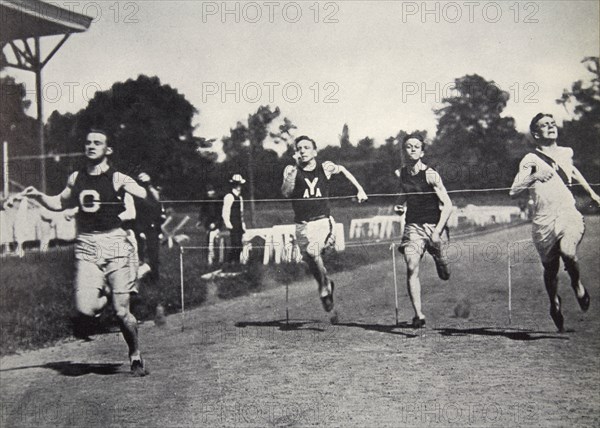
(238, 364)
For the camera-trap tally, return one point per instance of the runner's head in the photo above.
(96, 146)
(306, 149)
(543, 128)
(413, 146)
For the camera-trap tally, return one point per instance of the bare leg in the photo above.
(90, 298)
(551, 283)
(89, 303)
(318, 270)
(313, 257)
(572, 268)
(551, 280)
(127, 322)
(569, 257)
(413, 260)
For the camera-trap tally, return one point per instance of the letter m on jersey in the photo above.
(313, 190)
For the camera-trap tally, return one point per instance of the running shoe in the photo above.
(584, 301)
(137, 368)
(418, 322)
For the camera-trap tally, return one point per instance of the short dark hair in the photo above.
(533, 125)
(98, 131)
(416, 136)
(103, 132)
(303, 138)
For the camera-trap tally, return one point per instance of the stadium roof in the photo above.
(22, 19)
(22, 24)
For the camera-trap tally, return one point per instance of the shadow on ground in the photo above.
(513, 334)
(69, 368)
(283, 325)
(381, 328)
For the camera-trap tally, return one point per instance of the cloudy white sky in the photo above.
(374, 64)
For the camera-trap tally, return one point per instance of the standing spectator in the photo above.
(233, 217)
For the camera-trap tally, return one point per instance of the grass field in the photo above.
(36, 296)
(238, 363)
(36, 293)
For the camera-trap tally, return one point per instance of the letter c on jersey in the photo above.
(89, 201)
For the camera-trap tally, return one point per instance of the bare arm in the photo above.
(289, 180)
(56, 202)
(129, 213)
(361, 195)
(242, 211)
(400, 207)
(153, 192)
(331, 168)
(135, 189)
(581, 179)
(434, 179)
(527, 175)
(226, 213)
(129, 185)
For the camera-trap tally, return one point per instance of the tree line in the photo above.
(150, 124)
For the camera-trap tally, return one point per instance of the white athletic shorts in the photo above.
(547, 231)
(417, 239)
(105, 258)
(313, 237)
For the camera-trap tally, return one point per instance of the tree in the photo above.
(244, 148)
(582, 133)
(475, 146)
(286, 135)
(345, 143)
(61, 137)
(189, 169)
(254, 133)
(146, 120)
(150, 126)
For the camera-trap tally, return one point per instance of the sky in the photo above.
(379, 66)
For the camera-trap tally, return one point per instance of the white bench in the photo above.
(357, 227)
(280, 243)
(266, 234)
(379, 226)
